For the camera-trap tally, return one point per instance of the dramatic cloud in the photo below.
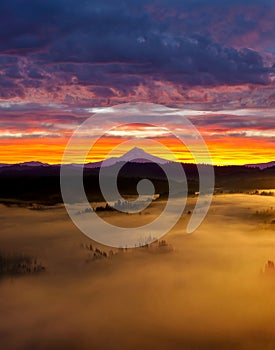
(60, 59)
(112, 50)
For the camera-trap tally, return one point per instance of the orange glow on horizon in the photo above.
(224, 151)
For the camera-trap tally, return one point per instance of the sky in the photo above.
(62, 60)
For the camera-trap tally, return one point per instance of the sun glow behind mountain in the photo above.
(224, 149)
(61, 63)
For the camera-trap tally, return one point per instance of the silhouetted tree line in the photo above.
(19, 265)
(120, 206)
(96, 253)
(106, 207)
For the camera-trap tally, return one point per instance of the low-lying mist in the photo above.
(208, 292)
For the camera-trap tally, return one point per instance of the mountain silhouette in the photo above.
(36, 181)
(136, 155)
(261, 165)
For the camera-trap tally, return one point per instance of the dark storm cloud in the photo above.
(186, 60)
(118, 45)
(9, 88)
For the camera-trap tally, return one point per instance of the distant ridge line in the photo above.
(135, 155)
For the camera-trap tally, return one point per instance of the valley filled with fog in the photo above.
(206, 290)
